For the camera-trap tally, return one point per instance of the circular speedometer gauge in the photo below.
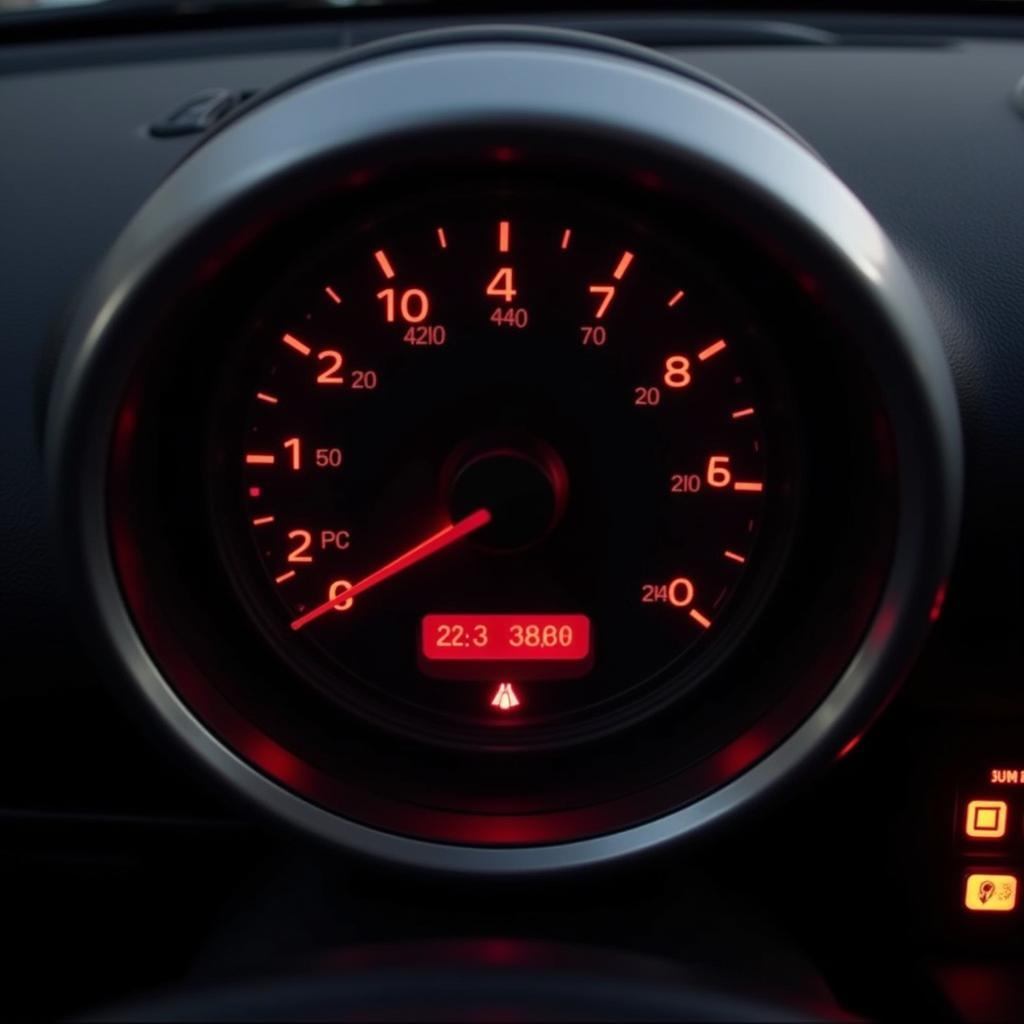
(497, 470)
(538, 460)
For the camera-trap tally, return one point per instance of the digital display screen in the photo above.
(506, 637)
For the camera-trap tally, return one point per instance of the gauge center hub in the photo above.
(524, 494)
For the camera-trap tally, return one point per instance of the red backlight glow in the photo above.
(506, 637)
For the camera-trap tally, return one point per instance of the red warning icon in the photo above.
(505, 698)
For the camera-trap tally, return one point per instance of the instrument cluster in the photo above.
(506, 477)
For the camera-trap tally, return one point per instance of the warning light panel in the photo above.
(986, 819)
(484, 638)
(985, 893)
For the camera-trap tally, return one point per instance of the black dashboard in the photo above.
(514, 514)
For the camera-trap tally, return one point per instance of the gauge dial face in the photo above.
(499, 470)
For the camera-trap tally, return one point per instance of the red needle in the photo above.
(437, 542)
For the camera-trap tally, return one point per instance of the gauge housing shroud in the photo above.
(532, 99)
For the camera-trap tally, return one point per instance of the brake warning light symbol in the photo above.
(505, 698)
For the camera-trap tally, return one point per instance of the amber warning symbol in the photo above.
(505, 698)
(986, 819)
(986, 892)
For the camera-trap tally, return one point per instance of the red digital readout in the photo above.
(506, 637)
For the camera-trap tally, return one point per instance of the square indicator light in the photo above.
(990, 893)
(986, 819)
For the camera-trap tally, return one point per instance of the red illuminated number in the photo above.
(328, 458)
(607, 292)
(517, 317)
(677, 372)
(454, 635)
(364, 380)
(305, 539)
(646, 396)
(412, 304)
(426, 334)
(294, 446)
(536, 635)
(685, 483)
(594, 335)
(337, 588)
(332, 375)
(502, 285)
(719, 474)
(679, 593)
